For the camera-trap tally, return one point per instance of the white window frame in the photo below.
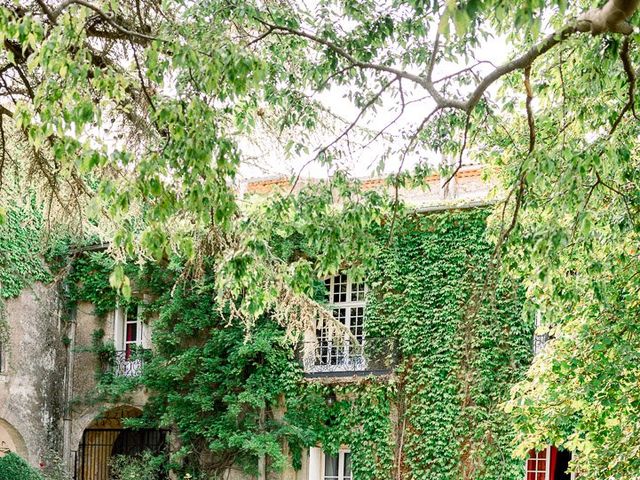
(547, 471)
(120, 328)
(536, 471)
(341, 462)
(125, 366)
(137, 321)
(323, 344)
(349, 304)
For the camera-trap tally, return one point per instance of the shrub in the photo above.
(54, 467)
(145, 466)
(12, 467)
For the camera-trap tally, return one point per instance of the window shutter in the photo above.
(118, 329)
(315, 463)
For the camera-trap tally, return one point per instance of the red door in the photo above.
(548, 464)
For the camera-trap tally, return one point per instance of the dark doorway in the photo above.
(563, 458)
(98, 445)
(134, 442)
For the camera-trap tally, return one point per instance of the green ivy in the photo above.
(22, 249)
(87, 281)
(458, 326)
(463, 341)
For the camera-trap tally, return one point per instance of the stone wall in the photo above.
(32, 383)
(48, 376)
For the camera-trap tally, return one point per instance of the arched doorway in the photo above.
(106, 437)
(11, 440)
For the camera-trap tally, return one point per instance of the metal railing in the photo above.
(125, 363)
(98, 447)
(540, 341)
(348, 356)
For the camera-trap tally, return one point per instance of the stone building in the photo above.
(47, 380)
(47, 376)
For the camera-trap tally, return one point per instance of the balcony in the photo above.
(125, 363)
(540, 341)
(327, 358)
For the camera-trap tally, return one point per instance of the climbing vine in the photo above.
(457, 324)
(463, 341)
(21, 255)
(21, 249)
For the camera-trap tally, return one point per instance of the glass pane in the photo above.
(356, 321)
(357, 292)
(330, 467)
(327, 285)
(339, 289)
(322, 347)
(132, 332)
(347, 465)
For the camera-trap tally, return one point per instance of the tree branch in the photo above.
(611, 17)
(443, 102)
(631, 74)
(403, 105)
(350, 127)
(467, 124)
(107, 16)
(530, 118)
(344, 54)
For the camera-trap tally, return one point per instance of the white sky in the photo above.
(361, 162)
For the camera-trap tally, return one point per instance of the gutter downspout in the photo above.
(67, 452)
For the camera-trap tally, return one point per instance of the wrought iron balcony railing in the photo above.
(125, 363)
(540, 341)
(371, 356)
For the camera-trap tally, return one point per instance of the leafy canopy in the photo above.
(141, 115)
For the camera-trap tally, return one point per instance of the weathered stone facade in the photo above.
(32, 383)
(48, 377)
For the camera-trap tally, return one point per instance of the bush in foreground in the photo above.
(13, 467)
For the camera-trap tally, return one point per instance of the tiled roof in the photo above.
(265, 186)
(467, 185)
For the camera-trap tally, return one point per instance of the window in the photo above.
(129, 336)
(549, 464)
(333, 351)
(132, 331)
(323, 466)
(337, 467)
(128, 330)
(538, 465)
(346, 299)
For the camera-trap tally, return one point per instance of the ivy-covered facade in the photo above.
(228, 400)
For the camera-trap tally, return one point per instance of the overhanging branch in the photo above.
(612, 17)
